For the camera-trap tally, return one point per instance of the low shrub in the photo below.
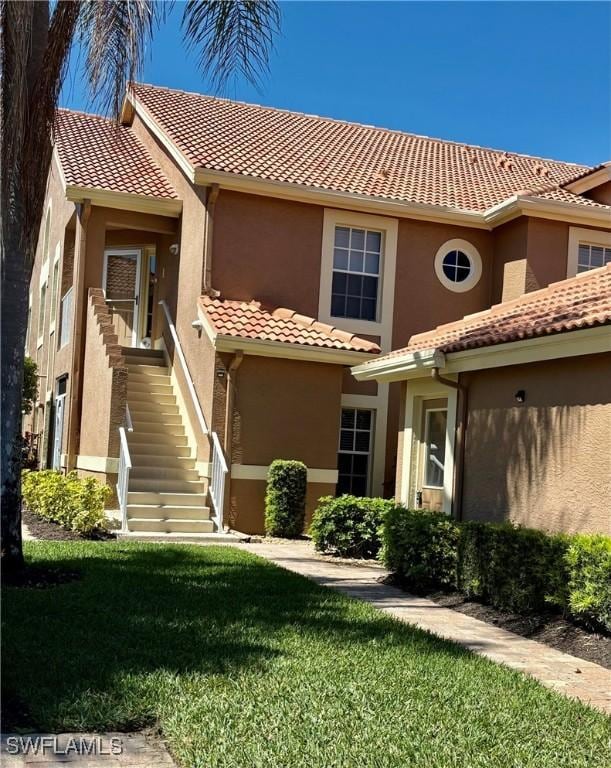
(349, 526)
(75, 503)
(512, 568)
(421, 547)
(285, 498)
(588, 562)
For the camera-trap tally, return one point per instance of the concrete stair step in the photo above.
(167, 512)
(141, 437)
(148, 373)
(145, 410)
(166, 498)
(146, 356)
(158, 427)
(140, 420)
(162, 473)
(157, 453)
(150, 402)
(170, 526)
(155, 485)
(159, 461)
(138, 391)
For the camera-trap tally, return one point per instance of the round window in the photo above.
(458, 265)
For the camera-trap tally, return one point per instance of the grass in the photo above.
(244, 665)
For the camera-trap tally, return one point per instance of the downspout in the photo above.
(229, 401)
(80, 249)
(457, 489)
(211, 199)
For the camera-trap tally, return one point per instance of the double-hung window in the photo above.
(592, 257)
(354, 458)
(355, 288)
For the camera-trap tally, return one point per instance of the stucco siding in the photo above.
(544, 463)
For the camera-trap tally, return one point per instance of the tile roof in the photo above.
(250, 320)
(281, 146)
(579, 302)
(97, 153)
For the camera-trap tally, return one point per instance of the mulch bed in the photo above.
(43, 529)
(550, 629)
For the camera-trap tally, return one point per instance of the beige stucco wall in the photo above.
(545, 463)
(283, 409)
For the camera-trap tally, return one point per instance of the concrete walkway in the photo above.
(566, 674)
(84, 750)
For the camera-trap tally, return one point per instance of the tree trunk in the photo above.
(14, 314)
(24, 39)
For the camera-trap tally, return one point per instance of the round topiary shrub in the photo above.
(285, 498)
(349, 526)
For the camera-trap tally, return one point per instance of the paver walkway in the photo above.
(566, 674)
(83, 750)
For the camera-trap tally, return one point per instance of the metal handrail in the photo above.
(128, 419)
(125, 464)
(185, 368)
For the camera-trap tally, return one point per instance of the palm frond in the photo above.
(115, 35)
(231, 37)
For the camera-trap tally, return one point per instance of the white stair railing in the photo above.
(219, 468)
(217, 480)
(125, 464)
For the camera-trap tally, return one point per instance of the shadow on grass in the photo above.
(92, 653)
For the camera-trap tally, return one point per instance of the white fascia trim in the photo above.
(410, 365)
(586, 341)
(344, 200)
(125, 201)
(260, 472)
(98, 464)
(289, 351)
(550, 209)
(592, 180)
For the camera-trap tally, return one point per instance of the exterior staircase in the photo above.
(165, 493)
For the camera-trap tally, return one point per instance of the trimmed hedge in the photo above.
(349, 526)
(285, 498)
(588, 561)
(513, 569)
(421, 548)
(75, 503)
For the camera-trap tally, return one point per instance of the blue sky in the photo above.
(523, 76)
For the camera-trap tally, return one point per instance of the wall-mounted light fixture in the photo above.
(174, 249)
(520, 396)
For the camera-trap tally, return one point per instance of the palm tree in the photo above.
(230, 37)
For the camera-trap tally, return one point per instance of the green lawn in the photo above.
(245, 665)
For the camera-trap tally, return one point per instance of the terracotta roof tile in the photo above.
(250, 320)
(579, 302)
(97, 153)
(281, 146)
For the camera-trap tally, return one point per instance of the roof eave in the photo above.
(289, 351)
(570, 343)
(126, 201)
(590, 180)
(528, 205)
(410, 365)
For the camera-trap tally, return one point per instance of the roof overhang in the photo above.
(281, 349)
(590, 180)
(416, 365)
(125, 201)
(527, 205)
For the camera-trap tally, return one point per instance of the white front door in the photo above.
(122, 291)
(58, 432)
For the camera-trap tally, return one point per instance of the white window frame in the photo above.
(425, 455)
(372, 435)
(55, 289)
(471, 252)
(382, 325)
(362, 273)
(42, 306)
(580, 236)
